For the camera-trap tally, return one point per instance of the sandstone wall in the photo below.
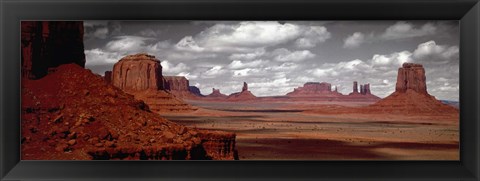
(411, 76)
(48, 44)
(137, 73)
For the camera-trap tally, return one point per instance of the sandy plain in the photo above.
(292, 131)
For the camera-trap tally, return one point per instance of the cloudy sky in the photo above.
(274, 57)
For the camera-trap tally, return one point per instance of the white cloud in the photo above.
(214, 72)
(404, 29)
(237, 64)
(312, 36)
(169, 68)
(284, 55)
(387, 62)
(189, 44)
(98, 56)
(354, 40)
(248, 56)
(127, 44)
(249, 34)
(431, 52)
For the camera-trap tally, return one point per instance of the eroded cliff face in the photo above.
(48, 44)
(141, 76)
(138, 72)
(180, 87)
(411, 76)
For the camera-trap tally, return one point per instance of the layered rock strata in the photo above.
(141, 76)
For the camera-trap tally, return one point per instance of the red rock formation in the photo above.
(355, 87)
(176, 83)
(216, 94)
(411, 96)
(137, 73)
(411, 76)
(65, 119)
(141, 76)
(179, 86)
(245, 95)
(245, 87)
(108, 76)
(195, 90)
(314, 89)
(48, 44)
(367, 89)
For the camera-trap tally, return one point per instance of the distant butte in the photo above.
(314, 89)
(245, 95)
(180, 87)
(411, 96)
(216, 94)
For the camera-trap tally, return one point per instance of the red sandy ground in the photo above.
(330, 130)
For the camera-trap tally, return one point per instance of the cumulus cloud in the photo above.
(248, 36)
(237, 64)
(285, 55)
(248, 56)
(312, 36)
(189, 44)
(171, 69)
(126, 44)
(98, 56)
(430, 52)
(354, 40)
(404, 29)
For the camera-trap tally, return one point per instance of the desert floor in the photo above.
(288, 131)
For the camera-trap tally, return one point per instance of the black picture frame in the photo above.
(465, 11)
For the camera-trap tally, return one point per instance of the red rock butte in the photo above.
(411, 96)
(411, 76)
(137, 73)
(180, 87)
(244, 95)
(141, 76)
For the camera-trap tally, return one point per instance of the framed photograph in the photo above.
(240, 90)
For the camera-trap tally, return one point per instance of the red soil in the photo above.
(72, 114)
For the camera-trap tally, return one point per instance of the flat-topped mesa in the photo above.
(137, 73)
(411, 76)
(216, 93)
(45, 45)
(313, 89)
